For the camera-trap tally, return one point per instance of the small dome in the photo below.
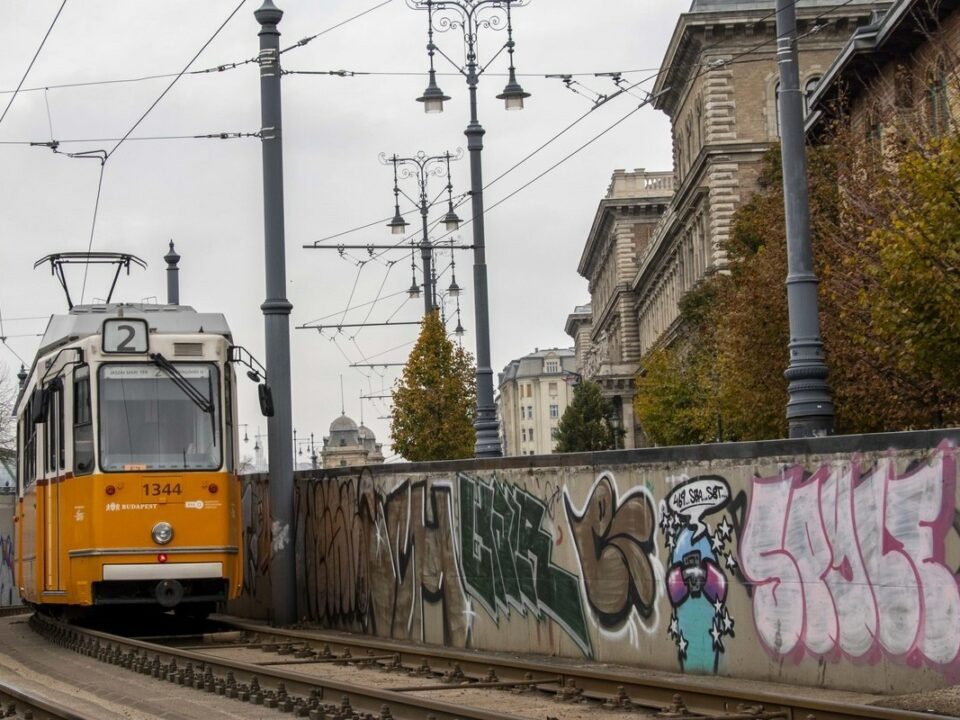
(343, 424)
(366, 433)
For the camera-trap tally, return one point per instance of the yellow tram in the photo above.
(127, 486)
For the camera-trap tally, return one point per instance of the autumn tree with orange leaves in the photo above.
(434, 401)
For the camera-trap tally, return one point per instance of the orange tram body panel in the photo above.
(127, 489)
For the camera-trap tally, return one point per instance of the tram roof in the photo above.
(86, 320)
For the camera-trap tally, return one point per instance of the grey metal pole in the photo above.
(173, 276)
(276, 311)
(809, 408)
(426, 253)
(486, 423)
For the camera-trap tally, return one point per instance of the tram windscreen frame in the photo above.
(148, 423)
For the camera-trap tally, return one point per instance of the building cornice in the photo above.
(606, 215)
(679, 61)
(683, 205)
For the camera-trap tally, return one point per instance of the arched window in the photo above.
(808, 89)
(938, 111)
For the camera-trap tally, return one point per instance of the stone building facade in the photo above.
(348, 445)
(605, 331)
(657, 235)
(718, 83)
(533, 394)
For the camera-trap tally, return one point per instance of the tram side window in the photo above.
(228, 414)
(53, 429)
(82, 423)
(29, 434)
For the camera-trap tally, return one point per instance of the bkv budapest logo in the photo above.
(696, 578)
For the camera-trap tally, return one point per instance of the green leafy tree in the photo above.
(675, 401)
(434, 401)
(918, 269)
(585, 424)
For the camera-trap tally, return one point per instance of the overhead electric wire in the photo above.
(304, 41)
(205, 136)
(179, 75)
(32, 61)
(602, 101)
(93, 226)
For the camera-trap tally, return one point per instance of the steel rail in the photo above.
(21, 701)
(284, 689)
(715, 696)
(8, 610)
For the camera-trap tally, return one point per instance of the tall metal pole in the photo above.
(809, 408)
(426, 251)
(276, 311)
(486, 423)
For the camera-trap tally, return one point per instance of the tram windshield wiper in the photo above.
(195, 396)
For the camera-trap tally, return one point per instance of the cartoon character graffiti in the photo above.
(696, 583)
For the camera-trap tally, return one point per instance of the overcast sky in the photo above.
(206, 194)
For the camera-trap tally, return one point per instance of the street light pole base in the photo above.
(488, 438)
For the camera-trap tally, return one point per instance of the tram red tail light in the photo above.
(162, 558)
(110, 489)
(212, 487)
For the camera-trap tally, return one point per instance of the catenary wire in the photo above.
(32, 61)
(206, 136)
(179, 75)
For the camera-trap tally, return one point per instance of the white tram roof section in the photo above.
(87, 320)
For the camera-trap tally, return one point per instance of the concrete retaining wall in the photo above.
(829, 562)
(8, 588)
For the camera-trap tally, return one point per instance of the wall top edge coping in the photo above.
(754, 450)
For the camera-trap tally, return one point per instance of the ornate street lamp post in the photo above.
(421, 166)
(469, 17)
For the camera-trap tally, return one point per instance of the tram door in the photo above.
(54, 452)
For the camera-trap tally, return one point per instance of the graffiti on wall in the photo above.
(696, 577)
(616, 549)
(384, 561)
(8, 586)
(506, 542)
(849, 561)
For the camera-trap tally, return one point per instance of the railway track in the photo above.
(8, 610)
(282, 678)
(672, 695)
(17, 702)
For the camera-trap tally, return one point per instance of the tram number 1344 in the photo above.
(156, 489)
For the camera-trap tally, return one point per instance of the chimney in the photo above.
(173, 276)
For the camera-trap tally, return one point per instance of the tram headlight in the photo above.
(162, 533)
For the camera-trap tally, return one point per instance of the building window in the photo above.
(874, 127)
(938, 112)
(529, 412)
(808, 90)
(523, 434)
(554, 411)
(904, 94)
(552, 366)
(553, 388)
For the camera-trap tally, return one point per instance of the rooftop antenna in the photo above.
(343, 406)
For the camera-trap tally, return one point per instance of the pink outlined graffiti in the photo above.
(849, 562)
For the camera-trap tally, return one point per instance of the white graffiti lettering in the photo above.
(854, 562)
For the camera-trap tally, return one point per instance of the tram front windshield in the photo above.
(148, 422)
